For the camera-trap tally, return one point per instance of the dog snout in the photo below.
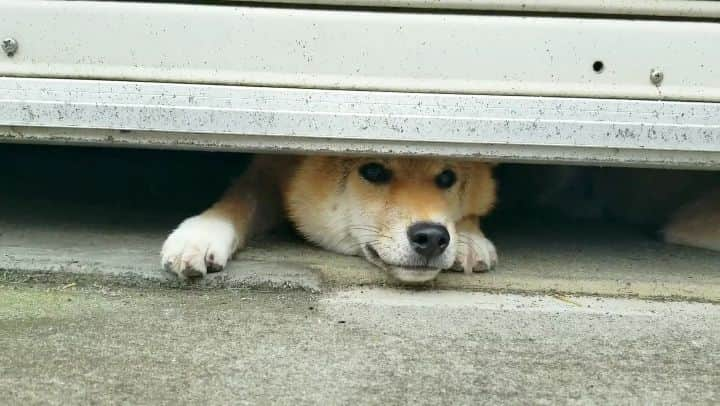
(428, 239)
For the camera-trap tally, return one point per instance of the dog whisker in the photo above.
(344, 238)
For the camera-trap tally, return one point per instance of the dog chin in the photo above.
(404, 274)
(413, 275)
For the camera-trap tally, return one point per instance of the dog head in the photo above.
(399, 213)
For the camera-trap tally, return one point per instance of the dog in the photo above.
(412, 217)
(680, 207)
(696, 224)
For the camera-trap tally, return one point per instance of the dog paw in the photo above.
(199, 245)
(475, 253)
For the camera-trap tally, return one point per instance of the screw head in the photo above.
(656, 77)
(9, 46)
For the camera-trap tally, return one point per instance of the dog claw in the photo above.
(213, 267)
(191, 273)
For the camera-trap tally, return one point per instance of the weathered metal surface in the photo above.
(666, 8)
(370, 50)
(627, 132)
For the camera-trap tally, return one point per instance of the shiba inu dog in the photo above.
(696, 224)
(412, 217)
(683, 206)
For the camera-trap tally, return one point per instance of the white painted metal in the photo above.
(399, 51)
(631, 132)
(667, 8)
(294, 144)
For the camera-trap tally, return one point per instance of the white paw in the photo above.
(199, 244)
(475, 253)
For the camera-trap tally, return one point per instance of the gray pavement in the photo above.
(71, 345)
(87, 316)
(84, 245)
(100, 215)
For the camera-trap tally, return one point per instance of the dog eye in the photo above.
(375, 173)
(445, 179)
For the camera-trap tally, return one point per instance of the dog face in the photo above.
(399, 213)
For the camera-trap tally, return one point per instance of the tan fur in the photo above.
(334, 207)
(697, 224)
(679, 200)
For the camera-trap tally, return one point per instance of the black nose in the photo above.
(428, 239)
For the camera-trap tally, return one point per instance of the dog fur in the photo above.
(696, 224)
(683, 205)
(330, 203)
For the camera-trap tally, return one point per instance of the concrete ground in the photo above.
(47, 243)
(87, 215)
(88, 317)
(70, 345)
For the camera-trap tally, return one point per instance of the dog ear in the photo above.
(479, 191)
